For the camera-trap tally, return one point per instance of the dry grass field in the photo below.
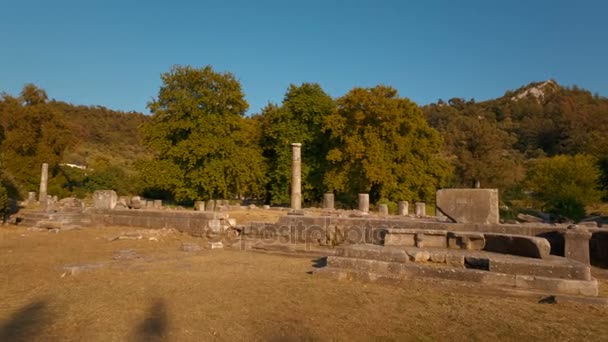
(79, 286)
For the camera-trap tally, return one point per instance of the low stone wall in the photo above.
(192, 222)
(333, 230)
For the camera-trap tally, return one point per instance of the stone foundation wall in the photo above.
(192, 222)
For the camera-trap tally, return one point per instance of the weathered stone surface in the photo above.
(454, 260)
(374, 270)
(576, 246)
(364, 203)
(431, 238)
(400, 239)
(466, 240)
(44, 178)
(420, 209)
(383, 209)
(199, 205)
(577, 287)
(210, 205)
(328, 201)
(403, 208)
(104, 199)
(529, 218)
(373, 252)
(527, 246)
(296, 178)
(190, 247)
(31, 197)
(469, 205)
(562, 270)
(419, 256)
(438, 256)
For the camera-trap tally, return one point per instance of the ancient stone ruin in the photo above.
(465, 242)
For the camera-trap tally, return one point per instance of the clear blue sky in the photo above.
(111, 53)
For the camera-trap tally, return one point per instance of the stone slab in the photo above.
(469, 205)
(104, 199)
(521, 245)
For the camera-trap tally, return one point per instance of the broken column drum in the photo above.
(328, 201)
(364, 202)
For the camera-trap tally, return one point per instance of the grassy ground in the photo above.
(141, 290)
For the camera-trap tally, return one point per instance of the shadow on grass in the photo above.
(26, 323)
(155, 325)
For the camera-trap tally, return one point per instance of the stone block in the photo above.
(419, 256)
(374, 252)
(522, 245)
(364, 203)
(466, 240)
(328, 201)
(405, 239)
(403, 208)
(104, 199)
(469, 205)
(575, 287)
(552, 270)
(431, 239)
(199, 205)
(454, 260)
(438, 256)
(383, 209)
(420, 209)
(576, 246)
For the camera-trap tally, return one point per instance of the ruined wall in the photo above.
(192, 222)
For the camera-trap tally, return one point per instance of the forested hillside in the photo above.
(506, 142)
(102, 142)
(544, 146)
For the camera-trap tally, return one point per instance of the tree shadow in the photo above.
(25, 323)
(155, 325)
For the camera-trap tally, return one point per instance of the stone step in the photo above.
(373, 270)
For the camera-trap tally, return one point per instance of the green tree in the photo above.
(3, 192)
(200, 136)
(34, 133)
(564, 184)
(299, 119)
(482, 153)
(380, 143)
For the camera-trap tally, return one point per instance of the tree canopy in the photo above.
(380, 143)
(300, 118)
(201, 140)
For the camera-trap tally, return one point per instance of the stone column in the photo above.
(328, 201)
(420, 209)
(383, 209)
(44, 178)
(211, 205)
(576, 245)
(31, 197)
(404, 208)
(199, 205)
(364, 203)
(296, 178)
